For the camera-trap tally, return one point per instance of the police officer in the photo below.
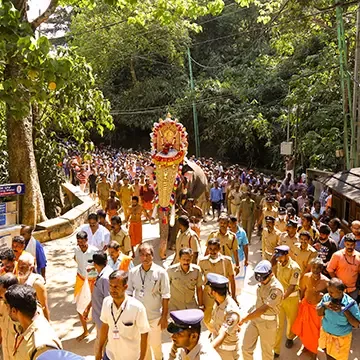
(228, 241)
(291, 237)
(269, 210)
(225, 318)
(288, 273)
(247, 214)
(185, 329)
(217, 263)
(280, 223)
(270, 238)
(185, 281)
(263, 320)
(35, 335)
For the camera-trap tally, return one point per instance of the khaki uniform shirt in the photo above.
(247, 208)
(126, 192)
(8, 333)
(237, 195)
(272, 212)
(270, 240)
(303, 257)
(226, 316)
(202, 351)
(187, 239)
(313, 232)
(280, 225)
(123, 239)
(223, 266)
(289, 274)
(285, 239)
(104, 190)
(183, 286)
(270, 294)
(36, 339)
(228, 242)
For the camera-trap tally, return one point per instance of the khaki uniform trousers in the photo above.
(208, 307)
(103, 203)
(248, 225)
(288, 311)
(228, 355)
(266, 330)
(235, 209)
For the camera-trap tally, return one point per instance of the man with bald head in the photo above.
(355, 229)
(34, 247)
(27, 276)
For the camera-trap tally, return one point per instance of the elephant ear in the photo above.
(189, 175)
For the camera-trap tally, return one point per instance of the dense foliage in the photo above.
(256, 65)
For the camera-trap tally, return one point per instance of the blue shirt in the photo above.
(342, 245)
(242, 240)
(336, 323)
(215, 194)
(40, 257)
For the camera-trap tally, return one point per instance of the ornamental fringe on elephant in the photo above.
(176, 178)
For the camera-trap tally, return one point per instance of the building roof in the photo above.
(347, 183)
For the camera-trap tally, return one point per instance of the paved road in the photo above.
(61, 278)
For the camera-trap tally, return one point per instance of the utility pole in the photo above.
(345, 89)
(356, 93)
(196, 125)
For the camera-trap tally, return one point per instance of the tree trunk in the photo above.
(22, 164)
(132, 71)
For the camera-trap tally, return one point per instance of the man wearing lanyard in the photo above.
(149, 283)
(101, 289)
(125, 326)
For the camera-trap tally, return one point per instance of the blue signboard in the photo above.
(3, 208)
(12, 189)
(2, 220)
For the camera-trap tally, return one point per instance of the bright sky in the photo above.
(36, 6)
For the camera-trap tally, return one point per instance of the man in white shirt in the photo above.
(149, 283)
(125, 326)
(83, 253)
(98, 235)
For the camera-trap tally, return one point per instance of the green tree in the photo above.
(30, 73)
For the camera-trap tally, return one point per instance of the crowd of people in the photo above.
(308, 275)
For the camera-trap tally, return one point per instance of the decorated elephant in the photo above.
(176, 177)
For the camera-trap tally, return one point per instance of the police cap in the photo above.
(269, 218)
(292, 223)
(263, 267)
(59, 355)
(217, 281)
(281, 250)
(282, 211)
(185, 319)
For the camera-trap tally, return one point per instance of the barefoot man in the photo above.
(112, 205)
(307, 324)
(83, 253)
(133, 220)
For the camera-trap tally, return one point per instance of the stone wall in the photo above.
(67, 223)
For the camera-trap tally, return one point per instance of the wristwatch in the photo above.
(201, 307)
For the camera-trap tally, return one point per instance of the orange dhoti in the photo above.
(112, 213)
(135, 232)
(147, 205)
(82, 292)
(307, 326)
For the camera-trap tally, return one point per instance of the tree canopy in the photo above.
(257, 65)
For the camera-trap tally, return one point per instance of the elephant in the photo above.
(194, 180)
